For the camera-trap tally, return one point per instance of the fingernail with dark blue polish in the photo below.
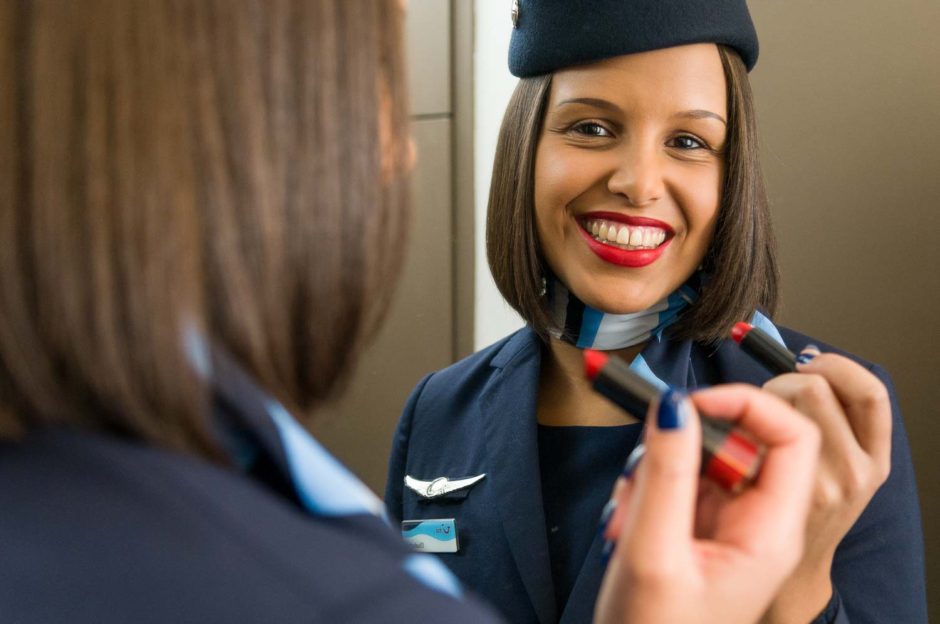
(605, 516)
(671, 410)
(607, 551)
(633, 460)
(807, 354)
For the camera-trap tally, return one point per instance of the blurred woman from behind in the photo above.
(188, 185)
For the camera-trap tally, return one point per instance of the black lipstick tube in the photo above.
(768, 352)
(730, 457)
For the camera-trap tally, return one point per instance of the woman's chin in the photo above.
(617, 295)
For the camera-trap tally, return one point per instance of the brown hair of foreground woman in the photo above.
(192, 163)
(742, 258)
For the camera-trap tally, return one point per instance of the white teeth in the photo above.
(623, 237)
(627, 236)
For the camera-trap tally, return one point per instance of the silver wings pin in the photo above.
(440, 485)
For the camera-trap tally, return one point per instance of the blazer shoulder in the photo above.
(797, 341)
(466, 378)
(179, 523)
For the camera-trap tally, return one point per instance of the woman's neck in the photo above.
(565, 395)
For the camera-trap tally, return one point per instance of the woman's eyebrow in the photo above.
(605, 105)
(701, 114)
(595, 102)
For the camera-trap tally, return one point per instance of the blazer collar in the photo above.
(508, 405)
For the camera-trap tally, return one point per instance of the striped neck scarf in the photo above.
(588, 328)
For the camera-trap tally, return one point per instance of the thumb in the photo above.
(661, 512)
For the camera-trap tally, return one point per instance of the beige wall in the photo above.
(430, 321)
(848, 93)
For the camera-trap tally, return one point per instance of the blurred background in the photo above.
(848, 95)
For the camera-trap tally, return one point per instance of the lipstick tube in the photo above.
(730, 457)
(768, 352)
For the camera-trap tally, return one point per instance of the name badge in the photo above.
(436, 536)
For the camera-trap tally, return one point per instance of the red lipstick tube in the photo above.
(768, 352)
(730, 457)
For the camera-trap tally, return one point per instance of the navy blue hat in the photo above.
(551, 34)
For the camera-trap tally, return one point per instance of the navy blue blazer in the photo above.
(479, 416)
(96, 528)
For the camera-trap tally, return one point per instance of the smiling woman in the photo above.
(627, 213)
(202, 207)
(637, 163)
(741, 261)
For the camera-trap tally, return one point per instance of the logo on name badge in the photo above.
(437, 535)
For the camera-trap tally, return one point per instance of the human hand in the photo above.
(853, 411)
(665, 568)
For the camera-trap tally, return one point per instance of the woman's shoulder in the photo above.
(520, 348)
(152, 524)
(726, 362)
(454, 393)
(797, 341)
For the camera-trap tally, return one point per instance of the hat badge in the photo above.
(515, 13)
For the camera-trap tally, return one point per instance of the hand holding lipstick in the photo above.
(666, 567)
(853, 411)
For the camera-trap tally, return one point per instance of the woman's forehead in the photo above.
(684, 77)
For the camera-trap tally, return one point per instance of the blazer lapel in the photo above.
(511, 429)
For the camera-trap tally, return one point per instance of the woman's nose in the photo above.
(638, 176)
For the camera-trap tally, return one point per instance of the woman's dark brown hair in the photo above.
(209, 165)
(741, 261)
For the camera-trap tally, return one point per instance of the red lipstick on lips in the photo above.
(633, 258)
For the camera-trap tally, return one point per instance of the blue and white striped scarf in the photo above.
(588, 328)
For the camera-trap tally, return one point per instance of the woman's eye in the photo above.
(591, 129)
(687, 143)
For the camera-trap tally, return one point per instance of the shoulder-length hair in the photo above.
(741, 261)
(215, 166)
